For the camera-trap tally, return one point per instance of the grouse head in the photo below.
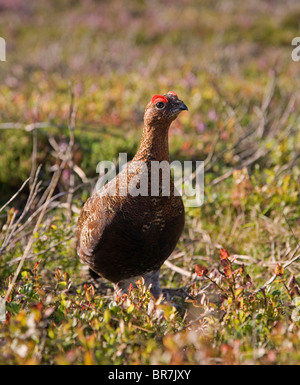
(163, 109)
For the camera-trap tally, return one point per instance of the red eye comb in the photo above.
(173, 93)
(159, 98)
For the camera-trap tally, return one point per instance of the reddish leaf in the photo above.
(130, 288)
(201, 270)
(224, 254)
(226, 264)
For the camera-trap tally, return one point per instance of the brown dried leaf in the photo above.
(279, 270)
(201, 270)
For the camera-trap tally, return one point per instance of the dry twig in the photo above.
(15, 195)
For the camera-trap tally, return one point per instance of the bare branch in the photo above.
(15, 195)
(178, 269)
(53, 184)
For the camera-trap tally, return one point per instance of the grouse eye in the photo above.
(160, 105)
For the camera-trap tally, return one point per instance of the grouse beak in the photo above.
(182, 106)
(178, 107)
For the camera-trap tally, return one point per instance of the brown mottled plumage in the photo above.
(125, 237)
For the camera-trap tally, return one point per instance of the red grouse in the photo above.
(123, 236)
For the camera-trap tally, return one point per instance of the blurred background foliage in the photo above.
(117, 55)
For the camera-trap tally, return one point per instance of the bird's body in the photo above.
(125, 236)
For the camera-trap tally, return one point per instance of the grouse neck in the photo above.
(154, 144)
